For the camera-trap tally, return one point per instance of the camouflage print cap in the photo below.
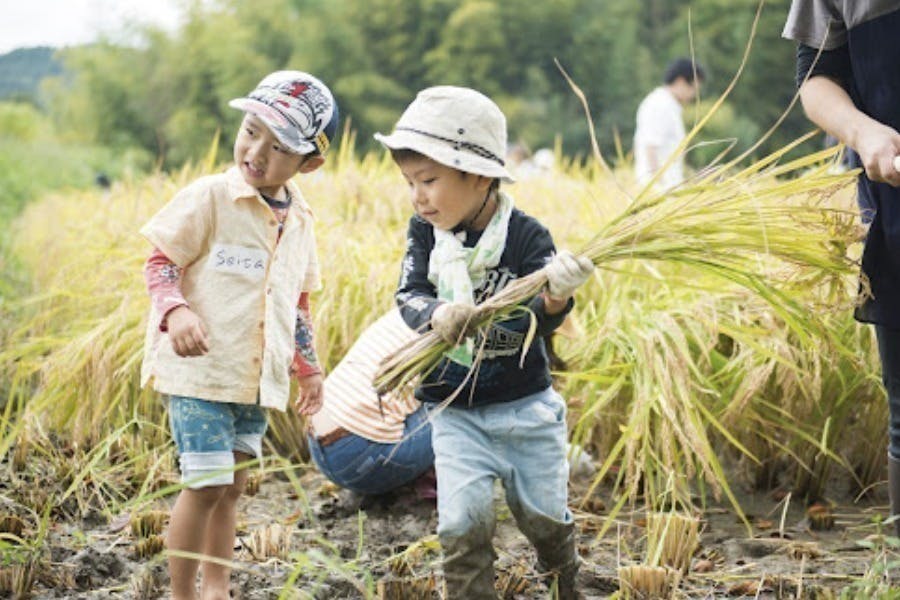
(298, 108)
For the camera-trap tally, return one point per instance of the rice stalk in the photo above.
(420, 587)
(17, 580)
(739, 230)
(146, 547)
(144, 584)
(672, 539)
(643, 582)
(149, 523)
(269, 541)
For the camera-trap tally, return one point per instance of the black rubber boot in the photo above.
(469, 566)
(894, 491)
(555, 546)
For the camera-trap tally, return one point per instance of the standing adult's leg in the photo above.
(889, 350)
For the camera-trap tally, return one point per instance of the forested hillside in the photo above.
(168, 93)
(22, 70)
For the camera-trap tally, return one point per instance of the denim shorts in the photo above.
(368, 467)
(208, 434)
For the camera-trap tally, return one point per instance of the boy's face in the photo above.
(264, 161)
(443, 196)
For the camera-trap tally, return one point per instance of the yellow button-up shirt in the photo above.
(242, 281)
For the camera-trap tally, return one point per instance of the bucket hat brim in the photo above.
(446, 153)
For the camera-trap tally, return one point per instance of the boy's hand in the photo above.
(311, 395)
(566, 272)
(450, 320)
(187, 332)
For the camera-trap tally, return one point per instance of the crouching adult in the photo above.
(368, 446)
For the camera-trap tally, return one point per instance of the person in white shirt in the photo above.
(660, 128)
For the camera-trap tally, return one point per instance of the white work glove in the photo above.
(566, 272)
(450, 320)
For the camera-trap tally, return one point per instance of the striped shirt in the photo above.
(350, 398)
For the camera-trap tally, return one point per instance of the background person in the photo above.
(660, 126)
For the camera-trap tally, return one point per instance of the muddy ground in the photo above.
(333, 548)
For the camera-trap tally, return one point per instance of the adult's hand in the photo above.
(879, 148)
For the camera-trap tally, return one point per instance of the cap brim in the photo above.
(445, 154)
(274, 120)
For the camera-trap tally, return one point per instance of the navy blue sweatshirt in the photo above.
(499, 377)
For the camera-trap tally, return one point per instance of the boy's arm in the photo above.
(537, 249)
(305, 366)
(306, 361)
(163, 279)
(187, 333)
(416, 296)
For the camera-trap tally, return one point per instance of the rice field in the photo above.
(712, 361)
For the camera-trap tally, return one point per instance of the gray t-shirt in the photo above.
(824, 23)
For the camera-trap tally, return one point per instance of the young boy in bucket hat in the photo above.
(466, 242)
(233, 263)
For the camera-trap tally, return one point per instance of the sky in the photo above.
(59, 23)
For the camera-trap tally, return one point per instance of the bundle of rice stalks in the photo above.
(672, 539)
(270, 541)
(145, 584)
(821, 517)
(423, 587)
(759, 228)
(643, 582)
(17, 580)
(149, 546)
(148, 523)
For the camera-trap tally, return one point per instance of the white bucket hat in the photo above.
(455, 126)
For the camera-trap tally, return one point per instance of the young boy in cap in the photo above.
(466, 242)
(233, 263)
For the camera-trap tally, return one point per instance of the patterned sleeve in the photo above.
(416, 295)
(163, 279)
(305, 362)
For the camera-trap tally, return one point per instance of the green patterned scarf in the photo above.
(456, 271)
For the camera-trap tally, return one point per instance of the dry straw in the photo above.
(644, 582)
(747, 227)
(149, 523)
(672, 539)
(269, 541)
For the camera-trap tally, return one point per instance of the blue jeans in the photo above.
(368, 467)
(208, 434)
(889, 350)
(522, 443)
